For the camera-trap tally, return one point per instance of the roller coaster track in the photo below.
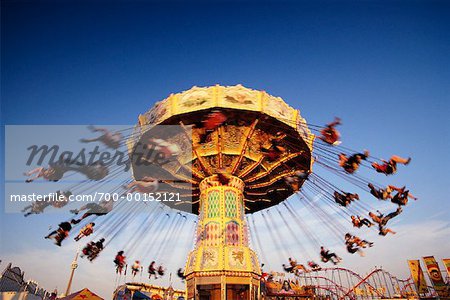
(379, 283)
(363, 281)
(335, 284)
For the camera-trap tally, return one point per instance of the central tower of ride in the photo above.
(237, 148)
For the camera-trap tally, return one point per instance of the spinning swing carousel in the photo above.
(225, 153)
(233, 169)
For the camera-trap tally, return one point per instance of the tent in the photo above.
(84, 294)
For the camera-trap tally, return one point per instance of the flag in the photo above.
(434, 273)
(446, 262)
(417, 276)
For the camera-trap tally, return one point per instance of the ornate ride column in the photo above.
(222, 266)
(222, 262)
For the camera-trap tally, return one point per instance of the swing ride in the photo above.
(239, 168)
(240, 160)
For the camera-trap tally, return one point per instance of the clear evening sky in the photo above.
(383, 67)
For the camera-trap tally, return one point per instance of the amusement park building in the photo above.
(14, 286)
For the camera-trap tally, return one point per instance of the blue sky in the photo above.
(383, 67)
